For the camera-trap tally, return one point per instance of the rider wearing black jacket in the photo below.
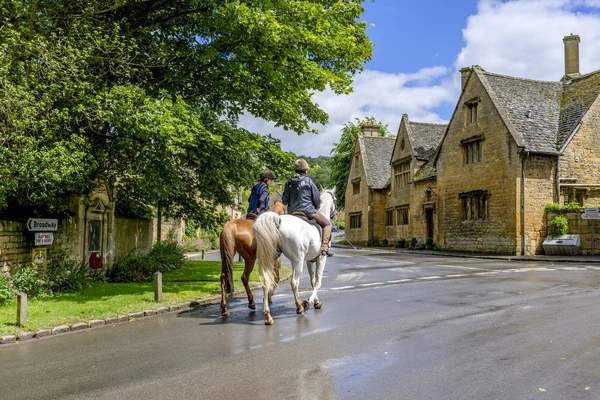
(301, 194)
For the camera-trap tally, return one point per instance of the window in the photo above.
(473, 112)
(574, 197)
(402, 174)
(355, 221)
(356, 160)
(474, 205)
(390, 218)
(356, 186)
(402, 215)
(94, 236)
(473, 151)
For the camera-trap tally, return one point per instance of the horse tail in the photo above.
(266, 234)
(227, 249)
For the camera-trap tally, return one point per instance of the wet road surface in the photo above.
(393, 326)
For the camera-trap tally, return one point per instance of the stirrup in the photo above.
(328, 252)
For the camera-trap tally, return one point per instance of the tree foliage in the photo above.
(145, 95)
(341, 155)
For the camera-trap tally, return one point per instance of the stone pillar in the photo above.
(464, 75)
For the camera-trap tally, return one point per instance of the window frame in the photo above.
(356, 220)
(401, 170)
(356, 187)
(475, 205)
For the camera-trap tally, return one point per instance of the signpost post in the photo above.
(593, 214)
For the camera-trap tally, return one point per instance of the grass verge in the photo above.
(101, 300)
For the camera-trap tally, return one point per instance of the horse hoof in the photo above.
(269, 321)
(225, 313)
(305, 305)
(318, 305)
(252, 305)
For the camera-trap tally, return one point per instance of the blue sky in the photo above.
(421, 45)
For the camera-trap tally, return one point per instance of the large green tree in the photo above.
(145, 95)
(341, 155)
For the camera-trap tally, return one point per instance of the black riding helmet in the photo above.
(267, 174)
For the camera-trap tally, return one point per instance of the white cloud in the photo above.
(519, 38)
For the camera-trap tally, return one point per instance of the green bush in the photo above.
(558, 226)
(558, 209)
(210, 239)
(191, 229)
(134, 268)
(28, 279)
(67, 275)
(7, 291)
(165, 256)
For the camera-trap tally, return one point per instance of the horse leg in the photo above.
(266, 308)
(296, 271)
(311, 273)
(248, 267)
(318, 279)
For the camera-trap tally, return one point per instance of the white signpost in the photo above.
(44, 238)
(42, 225)
(593, 214)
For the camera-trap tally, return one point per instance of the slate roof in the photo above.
(376, 154)
(540, 114)
(424, 138)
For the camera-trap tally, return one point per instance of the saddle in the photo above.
(312, 222)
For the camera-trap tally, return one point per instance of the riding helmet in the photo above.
(301, 165)
(267, 174)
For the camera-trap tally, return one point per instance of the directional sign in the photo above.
(42, 225)
(591, 210)
(594, 215)
(44, 238)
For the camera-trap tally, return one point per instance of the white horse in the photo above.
(300, 242)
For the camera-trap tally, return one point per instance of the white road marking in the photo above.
(401, 280)
(430, 277)
(459, 267)
(371, 284)
(456, 275)
(342, 256)
(342, 287)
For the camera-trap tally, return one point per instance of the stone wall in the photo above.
(497, 174)
(540, 173)
(14, 247)
(133, 236)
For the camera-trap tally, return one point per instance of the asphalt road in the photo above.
(393, 326)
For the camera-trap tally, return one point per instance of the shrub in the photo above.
(210, 239)
(134, 268)
(191, 229)
(7, 291)
(67, 275)
(558, 226)
(558, 209)
(167, 256)
(28, 279)
(339, 223)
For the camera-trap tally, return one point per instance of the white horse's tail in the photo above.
(266, 234)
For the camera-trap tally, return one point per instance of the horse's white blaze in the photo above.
(299, 241)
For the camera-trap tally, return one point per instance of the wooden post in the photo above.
(203, 254)
(240, 257)
(157, 286)
(21, 309)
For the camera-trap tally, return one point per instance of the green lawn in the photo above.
(196, 280)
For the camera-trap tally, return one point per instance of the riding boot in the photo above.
(325, 248)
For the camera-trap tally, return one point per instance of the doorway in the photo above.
(429, 221)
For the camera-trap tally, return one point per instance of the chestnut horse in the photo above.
(237, 237)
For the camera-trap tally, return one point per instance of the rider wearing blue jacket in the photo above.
(260, 196)
(301, 194)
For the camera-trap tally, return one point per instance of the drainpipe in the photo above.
(523, 245)
(371, 224)
(558, 179)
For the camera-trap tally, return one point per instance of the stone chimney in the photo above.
(370, 130)
(571, 55)
(464, 75)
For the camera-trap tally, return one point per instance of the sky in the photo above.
(419, 46)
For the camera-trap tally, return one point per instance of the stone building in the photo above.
(513, 146)
(368, 187)
(410, 208)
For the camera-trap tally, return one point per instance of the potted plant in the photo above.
(401, 243)
(384, 242)
(413, 242)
